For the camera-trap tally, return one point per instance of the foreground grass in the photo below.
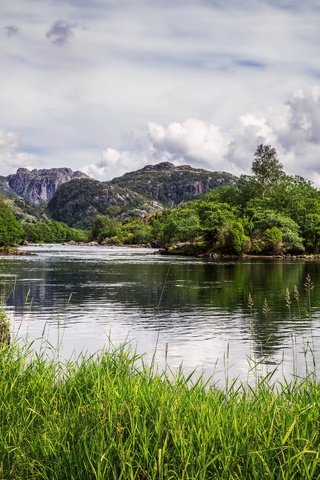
(105, 418)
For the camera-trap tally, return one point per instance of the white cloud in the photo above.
(293, 128)
(192, 140)
(10, 157)
(114, 163)
(8, 141)
(258, 127)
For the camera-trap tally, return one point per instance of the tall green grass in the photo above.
(109, 418)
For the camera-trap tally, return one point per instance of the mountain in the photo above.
(39, 186)
(75, 198)
(5, 190)
(172, 185)
(137, 193)
(77, 202)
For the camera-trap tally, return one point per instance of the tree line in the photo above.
(267, 212)
(13, 231)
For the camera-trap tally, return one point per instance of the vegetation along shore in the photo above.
(265, 213)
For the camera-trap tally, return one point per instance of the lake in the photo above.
(177, 310)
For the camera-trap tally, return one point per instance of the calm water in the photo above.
(183, 310)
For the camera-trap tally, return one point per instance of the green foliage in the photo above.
(266, 168)
(103, 228)
(273, 228)
(181, 224)
(11, 231)
(111, 418)
(230, 194)
(134, 232)
(268, 212)
(272, 238)
(140, 233)
(213, 217)
(5, 336)
(52, 232)
(232, 239)
(312, 232)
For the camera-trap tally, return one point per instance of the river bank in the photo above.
(12, 252)
(194, 250)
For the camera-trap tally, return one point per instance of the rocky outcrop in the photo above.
(39, 186)
(5, 190)
(172, 185)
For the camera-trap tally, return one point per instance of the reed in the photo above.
(111, 417)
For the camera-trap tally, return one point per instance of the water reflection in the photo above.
(198, 307)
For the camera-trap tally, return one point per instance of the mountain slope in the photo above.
(77, 202)
(5, 190)
(171, 185)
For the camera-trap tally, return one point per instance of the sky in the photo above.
(108, 86)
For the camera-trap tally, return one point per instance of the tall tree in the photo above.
(11, 231)
(266, 168)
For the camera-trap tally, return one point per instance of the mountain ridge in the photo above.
(75, 198)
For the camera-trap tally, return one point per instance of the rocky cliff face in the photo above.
(39, 186)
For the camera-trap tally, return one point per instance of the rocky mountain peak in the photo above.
(158, 167)
(39, 186)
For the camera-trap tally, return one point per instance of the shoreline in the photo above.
(178, 250)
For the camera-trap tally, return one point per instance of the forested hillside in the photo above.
(79, 201)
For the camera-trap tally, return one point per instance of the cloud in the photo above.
(8, 141)
(61, 32)
(114, 163)
(192, 140)
(11, 30)
(10, 156)
(292, 127)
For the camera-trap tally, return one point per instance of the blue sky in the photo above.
(108, 86)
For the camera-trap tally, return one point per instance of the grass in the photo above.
(109, 418)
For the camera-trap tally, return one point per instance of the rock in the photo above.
(39, 186)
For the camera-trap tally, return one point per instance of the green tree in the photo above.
(182, 225)
(232, 239)
(312, 232)
(264, 234)
(266, 168)
(103, 227)
(273, 240)
(11, 231)
(52, 232)
(214, 216)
